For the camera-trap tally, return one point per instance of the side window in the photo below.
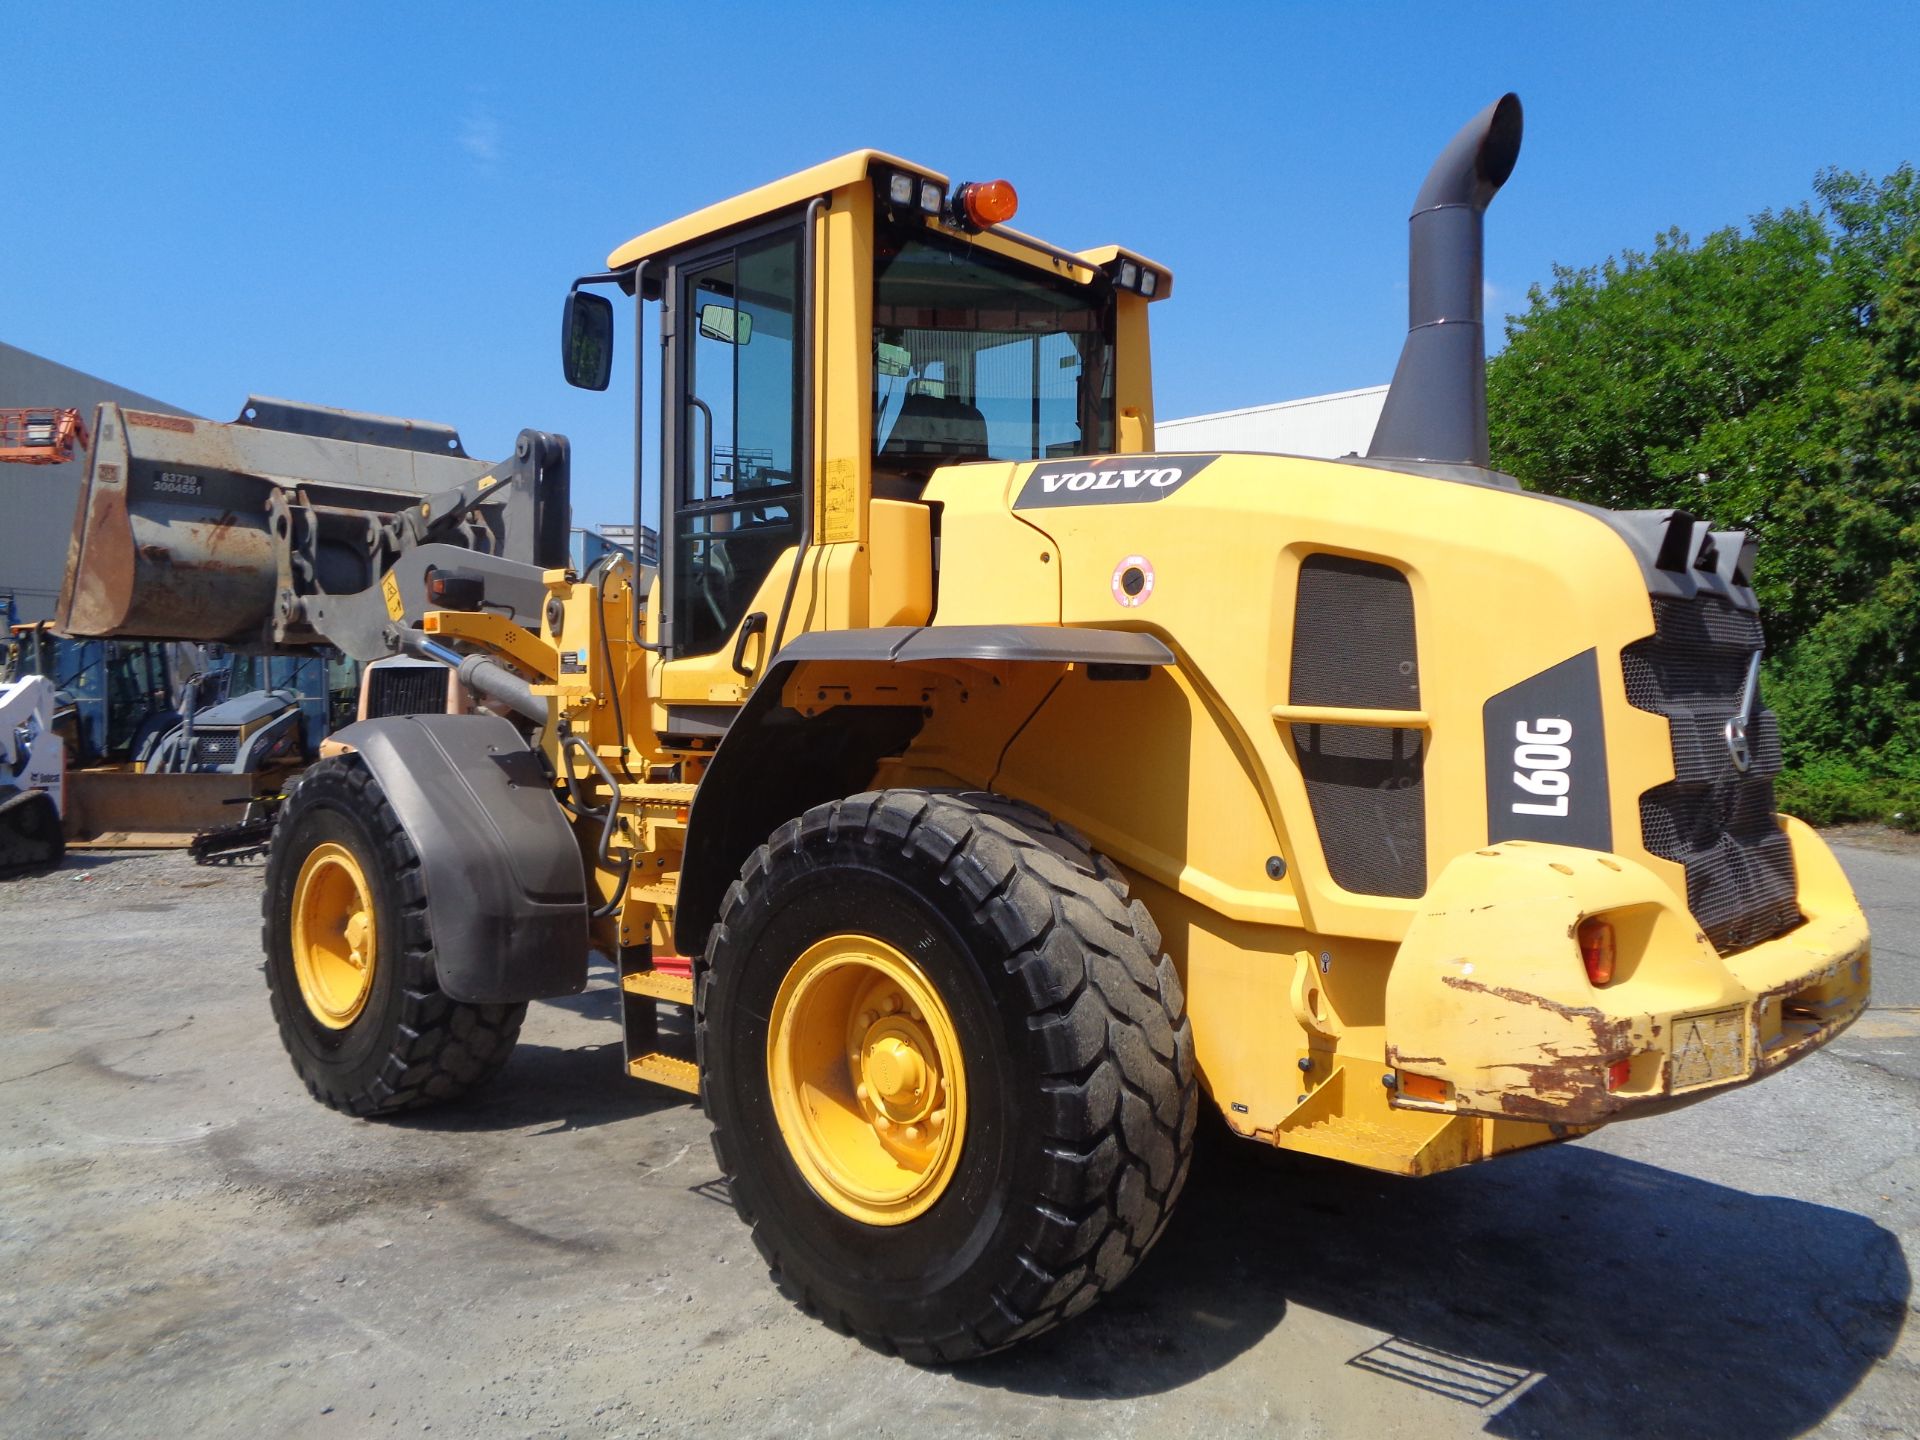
(738, 488)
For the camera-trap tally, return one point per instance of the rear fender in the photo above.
(775, 762)
(506, 889)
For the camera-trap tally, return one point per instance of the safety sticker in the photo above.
(390, 592)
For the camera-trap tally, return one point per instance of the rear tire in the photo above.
(1075, 1067)
(392, 1041)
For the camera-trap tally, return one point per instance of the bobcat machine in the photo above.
(1012, 790)
(32, 775)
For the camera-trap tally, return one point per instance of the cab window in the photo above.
(980, 358)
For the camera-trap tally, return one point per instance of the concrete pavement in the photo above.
(188, 1245)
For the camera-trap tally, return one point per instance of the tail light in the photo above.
(1596, 949)
(1618, 1073)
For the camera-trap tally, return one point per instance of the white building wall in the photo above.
(1325, 426)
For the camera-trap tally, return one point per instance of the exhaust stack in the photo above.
(1436, 409)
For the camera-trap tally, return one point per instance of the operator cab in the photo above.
(828, 342)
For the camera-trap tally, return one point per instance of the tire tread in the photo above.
(440, 1048)
(1106, 1013)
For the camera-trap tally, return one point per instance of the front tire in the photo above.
(966, 945)
(350, 956)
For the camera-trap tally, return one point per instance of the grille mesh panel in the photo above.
(214, 749)
(1710, 818)
(407, 690)
(1353, 645)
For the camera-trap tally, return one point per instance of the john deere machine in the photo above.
(1011, 790)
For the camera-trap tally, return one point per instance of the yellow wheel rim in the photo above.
(335, 940)
(868, 1086)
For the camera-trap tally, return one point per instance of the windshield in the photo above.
(979, 358)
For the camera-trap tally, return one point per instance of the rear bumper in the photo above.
(1489, 1011)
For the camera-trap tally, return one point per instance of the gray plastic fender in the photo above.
(506, 890)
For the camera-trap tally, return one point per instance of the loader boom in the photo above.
(277, 530)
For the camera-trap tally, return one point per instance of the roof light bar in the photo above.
(1133, 276)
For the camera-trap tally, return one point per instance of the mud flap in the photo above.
(506, 890)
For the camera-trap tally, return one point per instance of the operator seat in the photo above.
(936, 425)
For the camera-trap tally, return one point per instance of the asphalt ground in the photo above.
(190, 1246)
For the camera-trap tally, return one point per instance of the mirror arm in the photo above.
(609, 277)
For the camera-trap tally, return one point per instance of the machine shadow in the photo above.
(552, 1089)
(1646, 1302)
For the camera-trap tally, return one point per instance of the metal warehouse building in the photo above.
(37, 501)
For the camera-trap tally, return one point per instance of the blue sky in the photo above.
(379, 206)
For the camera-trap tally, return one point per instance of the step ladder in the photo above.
(647, 980)
(644, 987)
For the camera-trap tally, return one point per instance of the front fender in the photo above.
(506, 889)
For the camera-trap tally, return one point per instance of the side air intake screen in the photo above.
(1353, 646)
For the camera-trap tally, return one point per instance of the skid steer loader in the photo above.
(1010, 789)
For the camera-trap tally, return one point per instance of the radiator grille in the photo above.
(214, 750)
(1353, 645)
(1716, 822)
(406, 690)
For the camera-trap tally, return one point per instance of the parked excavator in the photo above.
(991, 791)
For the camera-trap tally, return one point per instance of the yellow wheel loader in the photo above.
(985, 791)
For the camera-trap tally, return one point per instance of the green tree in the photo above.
(1768, 380)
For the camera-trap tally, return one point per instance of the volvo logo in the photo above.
(1108, 481)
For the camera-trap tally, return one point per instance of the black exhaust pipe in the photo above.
(1436, 409)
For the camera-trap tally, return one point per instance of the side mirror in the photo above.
(726, 324)
(586, 340)
(894, 360)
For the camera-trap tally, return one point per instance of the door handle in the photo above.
(754, 624)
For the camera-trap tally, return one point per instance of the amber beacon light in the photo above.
(988, 202)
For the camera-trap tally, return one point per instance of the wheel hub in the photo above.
(865, 1072)
(335, 937)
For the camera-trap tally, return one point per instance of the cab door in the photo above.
(732, 438)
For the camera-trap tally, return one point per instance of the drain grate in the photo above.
(1458, 1377)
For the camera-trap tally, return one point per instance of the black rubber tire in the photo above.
(411, 1046)
(30, 832)
(1078, 1052)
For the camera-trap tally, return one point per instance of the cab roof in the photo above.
(796, 189)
